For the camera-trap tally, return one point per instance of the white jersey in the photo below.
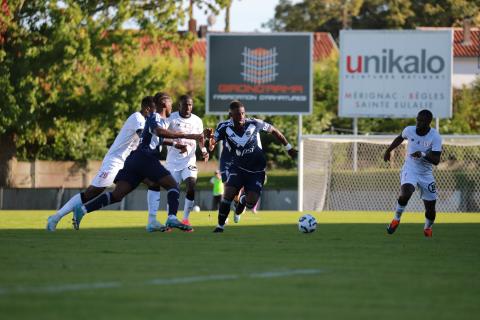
(429, 142)
(126, 140)
(194, 125)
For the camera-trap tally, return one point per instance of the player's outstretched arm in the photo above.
(292, 152)
(169, 134)
(395, 143)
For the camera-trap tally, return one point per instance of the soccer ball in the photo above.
(196, 209)
(307, 223)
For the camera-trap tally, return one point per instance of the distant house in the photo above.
(466, 54)
(323, 47)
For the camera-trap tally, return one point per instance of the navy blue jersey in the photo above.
(244, 143)
(149, 141)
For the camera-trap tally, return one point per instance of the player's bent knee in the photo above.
(154, 188)
(403, 200)
(250, 205)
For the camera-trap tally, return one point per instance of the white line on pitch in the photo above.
(156, 282)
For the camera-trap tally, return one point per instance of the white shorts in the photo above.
(426, 184)
(107, 173)
(180, 175)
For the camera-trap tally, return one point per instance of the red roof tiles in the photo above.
(461, 49)
(323, 47)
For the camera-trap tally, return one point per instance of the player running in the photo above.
(226, 160)
(182, 165)
(249, 163)
(143, 164)
(126, 141)
(423, 151)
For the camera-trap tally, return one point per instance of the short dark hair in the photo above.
(159, 96)
(426, 113)
(184, 98)
(235, 104)
(147, 102)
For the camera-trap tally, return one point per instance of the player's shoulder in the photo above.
(136, 116)
(434, 132)
(408, 130)
(173, 116)
(225, 124)
(196, 118)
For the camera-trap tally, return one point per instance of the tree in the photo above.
(71, 62)
(333, 15)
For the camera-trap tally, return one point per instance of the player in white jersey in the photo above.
(424, 148)
(126, 141)
(182, 165)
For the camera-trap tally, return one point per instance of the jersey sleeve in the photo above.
(219, 132)
(262, 125)
(405, 133)
(437, 143)
(160, 122)
(139, 123)
(200, 126)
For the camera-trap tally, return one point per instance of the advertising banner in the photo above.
(269, 73)
(395, 74)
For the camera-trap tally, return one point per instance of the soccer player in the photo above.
(226, 160)
(249, 163)
(183, 166)
(126, 141)
(143, 164)
(424, 149)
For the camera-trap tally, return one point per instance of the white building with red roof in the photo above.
(466, 54)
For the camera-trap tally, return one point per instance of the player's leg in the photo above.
(429, 196)
(125, 181)
(253, 185)
(103, 179)
(189, 175)
(122, 188)
(430, 214)
(167, 182)
(239, 203)
(153, 202)
(224, 207)
(407, 188)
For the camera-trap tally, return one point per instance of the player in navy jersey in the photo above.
(248, 160)
(143, 165)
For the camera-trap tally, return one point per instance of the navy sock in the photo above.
(172, 199)
(100, 202)
(223, 211)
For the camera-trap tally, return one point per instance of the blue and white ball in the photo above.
(307, 223)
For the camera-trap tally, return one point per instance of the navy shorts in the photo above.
(140, 166)
(251, 181)
(225, 170)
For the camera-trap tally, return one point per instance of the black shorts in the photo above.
(251, 181)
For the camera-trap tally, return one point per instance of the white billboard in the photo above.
(395, 74)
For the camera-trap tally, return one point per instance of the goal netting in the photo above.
(348, 173)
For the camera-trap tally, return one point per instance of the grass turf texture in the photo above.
(365, 274)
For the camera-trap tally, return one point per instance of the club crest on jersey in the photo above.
(432, 187)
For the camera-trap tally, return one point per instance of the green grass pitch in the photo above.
(262, 268)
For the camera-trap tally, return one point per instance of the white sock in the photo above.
(68, 207)
(221, 227)
(187, 208)
(398, 212)
(153, 201)
(428, 224)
